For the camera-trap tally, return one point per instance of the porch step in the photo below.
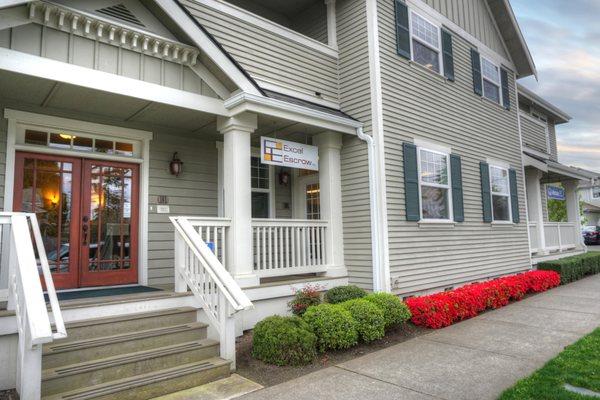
(99, 327)
(152, 384)
(90, 373)
(62, 353)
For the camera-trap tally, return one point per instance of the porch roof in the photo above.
(555, 171)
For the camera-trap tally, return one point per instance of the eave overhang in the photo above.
(556, 114)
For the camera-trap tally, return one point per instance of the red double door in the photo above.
(88, 216)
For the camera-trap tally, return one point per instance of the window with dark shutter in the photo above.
(476, 68)
(514, 196)
(457, 188)
(486, 198)
(505, 91)
(402, 30)
(411, 182)
(448, 55)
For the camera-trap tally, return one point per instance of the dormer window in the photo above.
(425, 43)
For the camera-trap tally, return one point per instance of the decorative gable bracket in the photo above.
(97, 28)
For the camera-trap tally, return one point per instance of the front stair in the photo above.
(137, 356)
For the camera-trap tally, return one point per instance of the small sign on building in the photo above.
(289, 154)
(555, 192)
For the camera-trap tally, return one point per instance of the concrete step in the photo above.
(152, 384)
(99, 327)
(71, 352)
(90, 373)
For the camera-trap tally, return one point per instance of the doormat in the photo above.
(116, 291)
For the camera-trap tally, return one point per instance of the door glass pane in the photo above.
(260, 205)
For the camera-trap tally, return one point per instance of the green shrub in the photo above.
(284, 341)
(334, 326)
(573, 268)
(395, 312)
(344, 293)
(370, 322)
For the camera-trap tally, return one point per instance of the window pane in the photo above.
(82, 143)
(124, 149)
(62, 140)
(499, 180)
(259, 173)
(500, 206)
(104, 146)
(425, 56)
(434, 202)
(313, 207)
(260, 205)
(36, 137)
(425, 31)
(490, 71)
(434, 167)
(491, 91)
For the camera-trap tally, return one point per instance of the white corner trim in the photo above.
(204, 43)
(14, 61)
(269, 26)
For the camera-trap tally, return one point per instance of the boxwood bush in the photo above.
(340, 294)
(284, 341)
(573, 268)
(334, 326)
(370, 322)
(395, 312)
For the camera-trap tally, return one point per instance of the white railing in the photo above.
(213, 231)
(289, 246)
(534, 237)
(560, 235)
(26, 297)
(198, 268)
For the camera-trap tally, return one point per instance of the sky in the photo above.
(564, 40)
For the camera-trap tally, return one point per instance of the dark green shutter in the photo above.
(505, 91)
(411, 182)
(476, 67)
(457, 189)
(486, 194)
(514, 195)
(402, 30)
(448, 55)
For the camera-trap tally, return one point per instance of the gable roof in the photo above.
(513, 37)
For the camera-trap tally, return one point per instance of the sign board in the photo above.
(555, 192)
(288, 154)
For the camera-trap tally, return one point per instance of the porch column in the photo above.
(331, 24)
(237, 195)
(534, 205)
(330, 197)
(573, 215)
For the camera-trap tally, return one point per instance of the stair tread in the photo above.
(101, 363)
(64, 346)
(131, 382)
(128, 317)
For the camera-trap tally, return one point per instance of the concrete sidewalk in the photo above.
(475, 359)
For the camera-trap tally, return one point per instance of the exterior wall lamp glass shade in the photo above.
(176, 165)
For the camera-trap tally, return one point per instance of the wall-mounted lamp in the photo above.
(176, 165)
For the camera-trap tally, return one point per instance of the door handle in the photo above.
(85, 229)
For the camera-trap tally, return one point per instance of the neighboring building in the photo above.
(135, 132)
(589, 193)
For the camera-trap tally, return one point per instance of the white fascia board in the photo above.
(243, 102)
(45, 68)
(11, 3)
(529, 161)
(204, 43)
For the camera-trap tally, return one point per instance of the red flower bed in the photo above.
(442, 309)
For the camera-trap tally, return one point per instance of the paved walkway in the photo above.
(475, 359)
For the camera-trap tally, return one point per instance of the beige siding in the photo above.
(61, 46)
(419, 103)
(355, 100)
(474, 17)
(283, 196)
(534, 134)
(268, 57)
(312, 22)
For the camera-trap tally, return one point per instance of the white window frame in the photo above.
(483, 78)
(255, 152)
(447, 186)
(507, 194)
(428, 45)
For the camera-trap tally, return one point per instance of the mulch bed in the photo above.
(269, 375)
(9, 395)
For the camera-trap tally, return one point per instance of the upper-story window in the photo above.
(425, 43)
(596, 193)
(434, 184)
(491, 80)
(500, 190)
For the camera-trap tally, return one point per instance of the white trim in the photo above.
(17, 118)
(269, 26)
(211, 80)
(447, 187)
(438, 50)
(508, 194)
(331, 24)
(27, 64)
(255, 152)
(535, 152)
(220, 178)
(427, 145)
(532, 118)
(497, 84)
(296, 92)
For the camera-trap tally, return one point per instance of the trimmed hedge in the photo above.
(340, 294)
(370, 322)
(334, 326)
(573, 268)
(395, 312)
(284, 341)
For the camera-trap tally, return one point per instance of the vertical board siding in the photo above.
(419, 103)
(544, 194)
(534, 134)
(60, 46)
(268, 57)
(474, 17)
(355, 99)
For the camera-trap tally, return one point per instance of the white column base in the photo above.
(247, 280)
(336, 271)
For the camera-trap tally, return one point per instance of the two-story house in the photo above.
(190, 163)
